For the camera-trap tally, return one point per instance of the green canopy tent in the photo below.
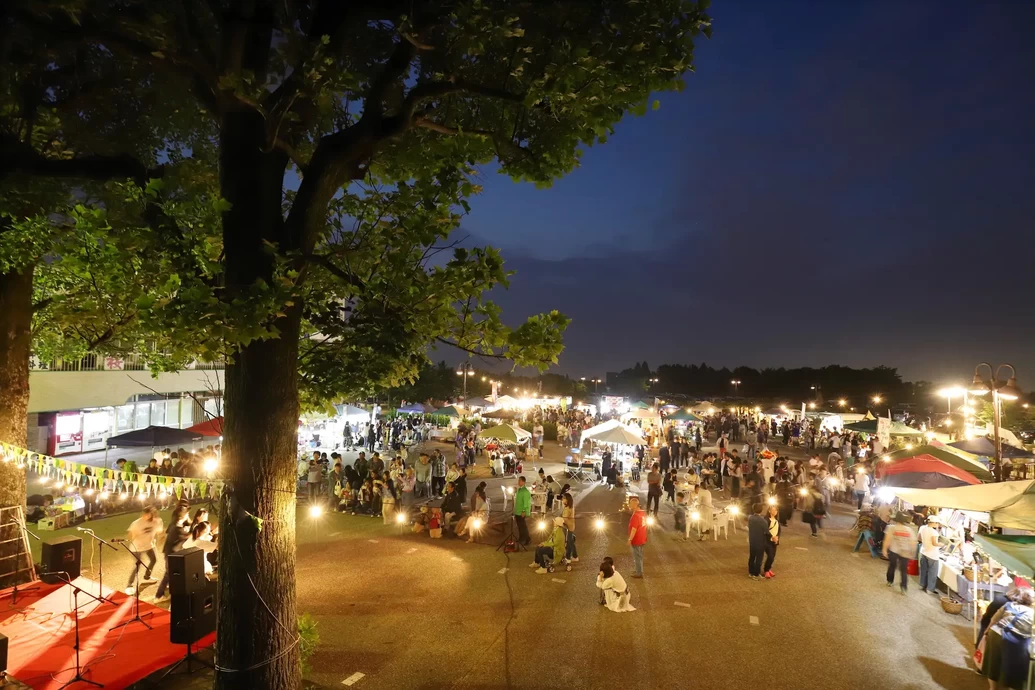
(956, 459)
(1016, 552)
(869, 426)
(683, 416)
(639, 405)
(451, 411)
(506, 433)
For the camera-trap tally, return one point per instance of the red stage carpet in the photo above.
(42, 636)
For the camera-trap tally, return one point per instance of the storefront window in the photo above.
(158, 413)
(143, 416)
(172, 413)
(124, 418)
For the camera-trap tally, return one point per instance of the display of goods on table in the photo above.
(767, 454)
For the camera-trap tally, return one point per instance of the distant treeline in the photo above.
(791, 386)
(856, 386)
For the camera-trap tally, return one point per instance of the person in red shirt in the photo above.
(637, 535)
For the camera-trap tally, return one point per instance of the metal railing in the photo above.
(97, 362)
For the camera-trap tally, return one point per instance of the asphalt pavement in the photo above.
(398, 610)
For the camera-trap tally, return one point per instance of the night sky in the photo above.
(841, 182)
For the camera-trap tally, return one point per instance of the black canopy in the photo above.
(154, 436)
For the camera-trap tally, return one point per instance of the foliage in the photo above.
(309, 639)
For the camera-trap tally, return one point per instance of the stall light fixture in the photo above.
(541, 525)
(599, 523)
(695, 515)
(315, 510)
(104, 496)
(400, 518)
(771, 501)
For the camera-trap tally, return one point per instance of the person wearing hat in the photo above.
(551, 550)
(929, 554)
(899, 548)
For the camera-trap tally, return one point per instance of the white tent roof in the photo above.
(641, 414)
(1010, 504)
(613, 431)
(506, 401)
(353, 413)
(609, 424)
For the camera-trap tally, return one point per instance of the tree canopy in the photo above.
(299, 166)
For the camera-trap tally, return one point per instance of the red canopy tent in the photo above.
(924, 471)
(213, 427)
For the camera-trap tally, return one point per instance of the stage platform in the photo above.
(41, 631)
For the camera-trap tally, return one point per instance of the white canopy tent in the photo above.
(506, 401)
(1009, 504)
(613, 431)
(641, 414)
(351, 413)
(705, 408)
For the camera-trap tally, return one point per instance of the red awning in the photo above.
(213, 427)
(925, 463)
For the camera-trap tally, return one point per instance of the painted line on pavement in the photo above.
(457, 558)
(333, 534)
(683, 604)
(753, 620)
(558, 580)
(801, 548)
(413, 550)
(353, 679)
(372, 541)
(501, 571)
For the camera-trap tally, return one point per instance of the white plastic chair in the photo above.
(721, 522)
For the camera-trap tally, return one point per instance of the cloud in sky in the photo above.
(841, 182)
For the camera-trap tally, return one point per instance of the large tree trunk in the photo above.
(15, 344)
(257, 619)
(15, 341)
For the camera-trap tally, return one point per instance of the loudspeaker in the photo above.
(3, 655)
(192, 616)
(62, 555)
(186, 571)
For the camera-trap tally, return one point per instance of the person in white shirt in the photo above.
(201, 538)
(700, 503)
(142, 533)
(616, 591)
(862, 486)
(929, 537)
(899, 548)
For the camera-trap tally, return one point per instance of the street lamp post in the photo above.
(465, 371)
(736, 387)
(1000, 390)
(595, 382)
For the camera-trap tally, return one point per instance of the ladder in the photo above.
(16, 566)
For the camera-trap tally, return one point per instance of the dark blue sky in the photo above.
(841, 182)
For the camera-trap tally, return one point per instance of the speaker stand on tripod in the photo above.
(191, 655)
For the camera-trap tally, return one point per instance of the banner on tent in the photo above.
(90, 478)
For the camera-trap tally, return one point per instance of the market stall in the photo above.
(958, 459)
(923, 472)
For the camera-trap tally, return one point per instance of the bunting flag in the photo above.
(75, 474)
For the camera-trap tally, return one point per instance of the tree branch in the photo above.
(18, 158)
(292, 153)
(325, 262)
(425, 123)
(469, 350)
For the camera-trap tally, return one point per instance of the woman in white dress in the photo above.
(616, 592)
(701, 503)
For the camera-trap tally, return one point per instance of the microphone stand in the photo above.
(136, 592)
(76, 590)
(14, 592)
(100, 565)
